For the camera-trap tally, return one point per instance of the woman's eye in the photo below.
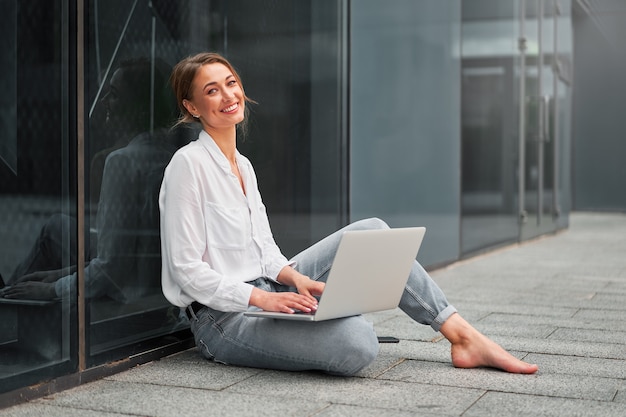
(212, 91)
(232, 82)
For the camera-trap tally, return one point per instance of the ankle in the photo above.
(458, 331)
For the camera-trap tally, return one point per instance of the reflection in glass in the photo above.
(36, 336)
(488, 117)
(514, 118)
(122, 278)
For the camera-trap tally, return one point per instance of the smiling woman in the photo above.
(216, 283)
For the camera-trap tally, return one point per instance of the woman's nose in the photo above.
(228, 95)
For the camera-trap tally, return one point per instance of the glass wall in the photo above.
(405, 109)
(599, 172)
(516, 87)
(489, 121)
(37, 194)
(130, 110)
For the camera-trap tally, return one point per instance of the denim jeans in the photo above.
(50, 251)
(342, 346)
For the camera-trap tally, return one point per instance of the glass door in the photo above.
(538, 118)
(489, 88)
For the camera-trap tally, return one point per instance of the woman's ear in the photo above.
(191, 108)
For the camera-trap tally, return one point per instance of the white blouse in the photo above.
(214, 238)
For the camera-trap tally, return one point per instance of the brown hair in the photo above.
(182, 79)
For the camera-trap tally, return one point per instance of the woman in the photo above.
(219, 256)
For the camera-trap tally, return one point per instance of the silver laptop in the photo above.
(369, 272)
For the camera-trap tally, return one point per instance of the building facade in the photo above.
(454, 115)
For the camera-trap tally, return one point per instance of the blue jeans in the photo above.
(341, 347)
(50, 251)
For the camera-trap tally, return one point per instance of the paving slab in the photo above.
(142, 399)
(363, 392)
(596, 321)
(513, 405)
(530, 312)
(540, 384)
(337, 410)
(188, 369)
(573, 365)
(589, 335)
(564, 347)
(40, 410)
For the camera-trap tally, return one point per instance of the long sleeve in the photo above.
(127, 265)
(214, 237)
(187, 273)
(116, 242)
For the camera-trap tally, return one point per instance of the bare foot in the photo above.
(472, 349)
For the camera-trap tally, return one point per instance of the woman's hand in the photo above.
(306, 286)
(285, 302)
(30, 290)
(46, 276)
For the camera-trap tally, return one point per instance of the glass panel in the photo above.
(37, 199)
(290, 64)
(508, 50)
(563, 147)
(598, 172)
(562, 130)
(537, 97)
(405, 99)
(131, 110)
(548, 43)
(489, 119)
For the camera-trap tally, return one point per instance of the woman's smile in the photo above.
(231, 109)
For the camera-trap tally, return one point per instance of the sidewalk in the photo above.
(558, 301)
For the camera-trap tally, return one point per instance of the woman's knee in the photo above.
(369, 224)
(56, 226)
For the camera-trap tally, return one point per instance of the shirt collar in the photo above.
(216, 153)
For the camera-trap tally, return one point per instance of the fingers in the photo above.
(14, 291)
(307, 295)
(44, 276)
(23, 278)
(287, 302)
(317, 288)
(33, 276)
(311, 288)
(29, 290)
(292, 302)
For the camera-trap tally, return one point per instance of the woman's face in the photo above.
(127, 102)
(118, 100)
(216, 97)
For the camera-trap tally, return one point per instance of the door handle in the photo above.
(546, 118)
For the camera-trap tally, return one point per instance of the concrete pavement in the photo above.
(558, 301)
